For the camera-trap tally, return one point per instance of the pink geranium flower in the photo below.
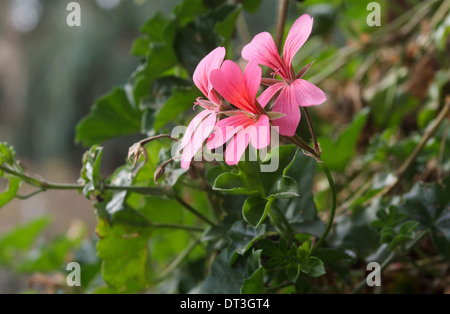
(203, 123)
(295, 91)
(250, 123)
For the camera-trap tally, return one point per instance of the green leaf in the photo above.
(255, 210)
(313, 267)
(254, 284)
(429, 204)
(181, 100)
(224, 276)
(338, 153)
(246, 181)
(111, 116)
(187, 10)
(10, 192)
(285, 187)
(20, 239)
(268, 247)
(242, 238)
(124, 253)
(90, 172)
(207, 31)
(293, 271)
(304, 250)
(55, 254)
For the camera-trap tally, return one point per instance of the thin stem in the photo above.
(408, 162)
(333, 206)
(282, 223)
(283, 7)
(302, 144)
(193, 210)
(176, 226)
(311, 130)
(391, 258)
(178, 260)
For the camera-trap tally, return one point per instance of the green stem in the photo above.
(391, 258)
(281, 222)
(193, 210)
(176, 226)
(178, 260)
(43, 186)
(333, 206)
(311, 130)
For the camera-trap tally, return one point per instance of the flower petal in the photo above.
(236, 147)
(195, 122)
(297, 36)
(307, 94)
(262, 50)
(269, 93)
(286, 103)
(195, 144)
(228, 81)
(201, 74)
(252, 79)
(260, 132)
(226, 128)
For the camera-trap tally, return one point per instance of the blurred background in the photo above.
(51, 74)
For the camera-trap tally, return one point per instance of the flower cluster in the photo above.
(233, 114)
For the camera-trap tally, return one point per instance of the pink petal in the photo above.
(260, 132)
(297, 36)
(236, 147)
(307, 94)
(269, 93)
(263, 51)
(195, 122)
(195, 144)
(201, 74)
(226, 128)
(252, 79)
(228, 81)
(286, 103)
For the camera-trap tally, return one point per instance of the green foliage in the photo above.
(429, 205)
(242, 229)
(337, 154)
(125, 257)
(387, 227)
(7, 159)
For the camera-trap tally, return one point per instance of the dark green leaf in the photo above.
(255, 210)
(337, 154)
(429, 204)
(181, 100)
(246, 181)
(111, 116)
(225, 277)
(242, 238)
(293, 271)
(313, 267)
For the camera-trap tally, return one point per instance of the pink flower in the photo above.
(249, 125)
(294, 90)
(203, 123)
